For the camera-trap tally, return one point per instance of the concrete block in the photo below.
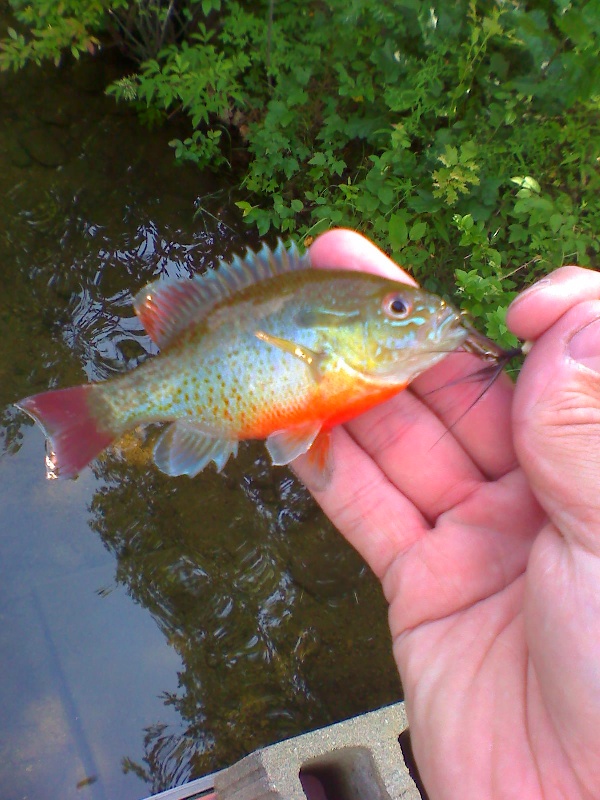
(358, 759)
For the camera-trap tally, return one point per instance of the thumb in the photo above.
(556, 422)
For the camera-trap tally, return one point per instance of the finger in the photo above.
(377, 520)
(344, 249)
(540, 306)
(478, 414)
(420, 458)
(557, 423)
(557, 437)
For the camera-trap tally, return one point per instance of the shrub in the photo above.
(462, 138)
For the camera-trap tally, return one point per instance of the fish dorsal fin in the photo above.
(166, 308)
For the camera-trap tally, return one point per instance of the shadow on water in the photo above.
(151, 628)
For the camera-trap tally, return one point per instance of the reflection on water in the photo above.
(152, 628)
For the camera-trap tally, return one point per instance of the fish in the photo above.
(265, 347)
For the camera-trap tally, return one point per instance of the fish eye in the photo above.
(396, 306)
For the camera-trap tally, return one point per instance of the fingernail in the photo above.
(531, 290)
(584, 346)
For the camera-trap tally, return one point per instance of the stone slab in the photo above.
(358, 759)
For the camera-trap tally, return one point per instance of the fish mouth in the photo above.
(447, 334)
(450, 325)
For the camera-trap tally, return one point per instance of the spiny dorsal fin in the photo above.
(166, 308)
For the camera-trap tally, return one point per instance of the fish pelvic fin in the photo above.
(70, 421)
(185, 449)
(166, 308)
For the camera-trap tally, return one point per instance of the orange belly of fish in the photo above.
(334, 407)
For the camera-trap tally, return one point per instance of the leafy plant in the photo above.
(54, 27)
(462, 137)
(141, 28)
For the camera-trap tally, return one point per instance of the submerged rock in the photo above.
(43, 146)
(54, 113)
(17, 155)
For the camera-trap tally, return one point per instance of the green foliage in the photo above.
(462, 137)
(140, 27)
(55, 27)
(195, 77)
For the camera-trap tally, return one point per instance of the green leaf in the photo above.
(209, 5)
(449, 157)
(417, 231)
(528, 183)
(318, 159)
(386, 195)
(397, 231)
(245, 207)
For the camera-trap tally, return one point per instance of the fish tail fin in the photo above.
(70, 421)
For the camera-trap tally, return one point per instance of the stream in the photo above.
(152, 629)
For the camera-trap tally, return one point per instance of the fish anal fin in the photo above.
(319, 460)
(185, 449)
(314, 361)
(285, 446)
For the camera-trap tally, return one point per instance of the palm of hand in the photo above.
(447, 520)
(437, 525)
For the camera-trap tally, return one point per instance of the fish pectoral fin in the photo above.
(314, 361)
(185, 449)
(285, 446)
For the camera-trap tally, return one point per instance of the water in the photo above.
(151, 629)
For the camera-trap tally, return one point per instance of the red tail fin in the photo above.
(69, 422)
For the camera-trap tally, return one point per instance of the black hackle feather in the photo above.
(496, 356)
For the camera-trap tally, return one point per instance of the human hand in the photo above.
(485, 535)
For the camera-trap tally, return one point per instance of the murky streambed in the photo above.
(151, 629)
